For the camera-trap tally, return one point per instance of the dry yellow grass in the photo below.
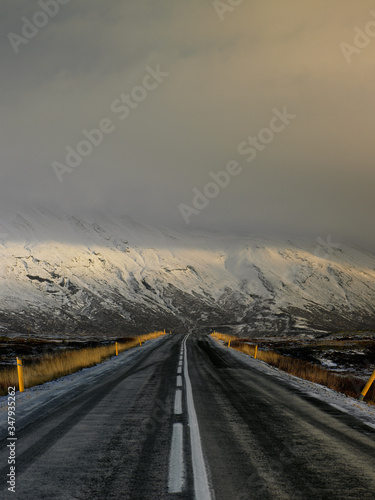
(349, 385)
(52, 367)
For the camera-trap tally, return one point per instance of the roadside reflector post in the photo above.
(140, 342)
(20, 375)
(116, 349)
(229, 343)
(256, 352)
(367, 386)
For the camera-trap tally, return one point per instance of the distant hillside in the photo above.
(110, 276)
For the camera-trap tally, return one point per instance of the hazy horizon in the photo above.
(181, 93)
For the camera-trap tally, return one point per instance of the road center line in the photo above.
(179, 370)
(178, 402)
(176, 477)
(179, 381)
(201, 488)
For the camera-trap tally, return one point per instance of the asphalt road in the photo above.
(186, 420)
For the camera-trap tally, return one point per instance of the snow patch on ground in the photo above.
(51, 395)
(358, 409)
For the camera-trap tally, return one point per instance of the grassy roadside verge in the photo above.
(346, 384)
(54, 366)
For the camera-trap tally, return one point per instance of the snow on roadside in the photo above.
(51, 395)
(361, 410)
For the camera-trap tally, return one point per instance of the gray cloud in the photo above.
(225, 78)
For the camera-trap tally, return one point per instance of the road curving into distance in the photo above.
(182, 420)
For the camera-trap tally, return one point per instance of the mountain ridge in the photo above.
(104, 275)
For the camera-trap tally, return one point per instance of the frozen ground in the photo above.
(107, 432)
(358, 409)
(52, 394)
(352, 355)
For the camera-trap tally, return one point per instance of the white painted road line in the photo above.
(179, 370)
(179, 381)
(176, 461)
(201, 488)
(178, 403)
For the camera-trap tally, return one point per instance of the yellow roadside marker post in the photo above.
(256, 352)
(367, 386)
(116, 349)
(229, 343)
(140, 342)
(20, 375)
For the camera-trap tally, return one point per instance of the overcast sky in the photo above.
(222, 72)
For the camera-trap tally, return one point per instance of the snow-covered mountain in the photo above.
(109, 276)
